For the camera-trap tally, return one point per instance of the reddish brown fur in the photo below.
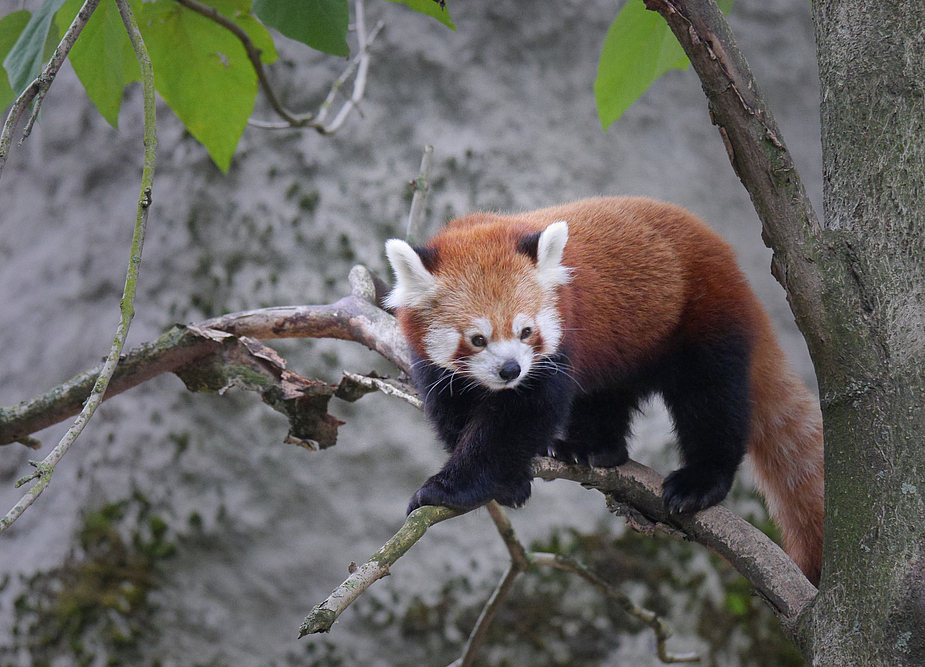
(645, 273)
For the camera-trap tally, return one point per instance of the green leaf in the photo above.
(725, 6)
(203, 73)
(638, 49)
(11, 27)
(431, 8)
(239, 11)
(321, 24)
(24, 61)
(98, 55)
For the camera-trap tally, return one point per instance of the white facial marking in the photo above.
(441, 344)
(549, 251)
(480, 327)
(415, 286)
(485, 366)
(521, 322)
(550, 325)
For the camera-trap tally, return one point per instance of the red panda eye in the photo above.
(525, 333)
(478, 340)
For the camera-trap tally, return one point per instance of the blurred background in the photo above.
(180, 530)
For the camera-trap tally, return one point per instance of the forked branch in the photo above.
(632, 489)
(322, 617)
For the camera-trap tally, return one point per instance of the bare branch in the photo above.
(421, 186)
(498, 597)
(650, 618)
(521, 559)
(389, 388)
(518, 554)
(359, 64)
(322, 617)
(752, 553)
(351, 318)
(757, 153)
(37, 89)
(45, 469)
(174, 350)
(519, 562)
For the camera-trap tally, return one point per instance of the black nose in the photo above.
(509, 370)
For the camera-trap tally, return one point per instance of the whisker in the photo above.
(546, 364)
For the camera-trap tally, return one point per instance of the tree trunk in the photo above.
(871, 368)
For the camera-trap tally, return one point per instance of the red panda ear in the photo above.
(414, 284)
(549, 251)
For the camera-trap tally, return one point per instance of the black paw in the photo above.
(514, 494)
(603, 457)
(609, 459)
(438, 491)
(435, 492)
(693, 489)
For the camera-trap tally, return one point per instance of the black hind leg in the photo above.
(707, 392)
(598, 426)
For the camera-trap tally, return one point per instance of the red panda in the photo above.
(539, 333)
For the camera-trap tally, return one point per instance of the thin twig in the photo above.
(322, 617)
(498, 597)
(45, 469)
(519, 562)
(361, 62)
(387, 388)
(521, 559)
(37, 89)
(518, 554)
(421, 188)
(650, 618)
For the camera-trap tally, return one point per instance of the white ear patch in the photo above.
(549, 251)
(414, 284)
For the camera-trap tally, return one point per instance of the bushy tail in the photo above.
(786, 450)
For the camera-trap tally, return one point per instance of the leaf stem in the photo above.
(45, 469)
(37, 89)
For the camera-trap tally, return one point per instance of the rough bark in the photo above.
(871, 608)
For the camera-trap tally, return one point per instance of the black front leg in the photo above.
(449, 399)
(490, 459)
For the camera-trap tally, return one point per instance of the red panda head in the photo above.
(482, 299)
